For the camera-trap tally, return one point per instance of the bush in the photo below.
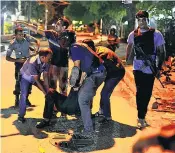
(8, 28)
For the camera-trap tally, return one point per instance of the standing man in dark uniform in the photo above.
(20, 45)
(152, 43)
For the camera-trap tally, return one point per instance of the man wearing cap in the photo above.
(151, 43)
(20, 45)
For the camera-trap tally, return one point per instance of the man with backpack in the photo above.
(115, 72)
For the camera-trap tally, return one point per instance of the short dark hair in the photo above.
(142, 14)
(90, 43)
(19, 29)
(45, 51)
(65, 22)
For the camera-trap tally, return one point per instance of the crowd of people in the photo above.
(91, 67)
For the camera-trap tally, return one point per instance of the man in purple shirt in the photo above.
(152, 43)
(59, 62)
(31, 72)
(89, 63)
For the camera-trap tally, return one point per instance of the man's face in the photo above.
(59, 27)
(19, 36)
(142, 23)
(64, 42)
(46, 59)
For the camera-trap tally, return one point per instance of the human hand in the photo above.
(21, 60)
(50, 90)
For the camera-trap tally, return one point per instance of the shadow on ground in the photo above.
(28, 128)
(103, 139)
(7, 112)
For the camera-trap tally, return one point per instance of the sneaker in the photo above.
(21, 119)
(63, 117)
(141, 123)
(28, 104)
(97, 114)
(43, 124)
(105, 120)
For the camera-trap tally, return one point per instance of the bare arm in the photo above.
(36, 78)
(77, 63)
(32, 39)
(10, 59)
(32, 27)
(46, 80)
(161, 55)
(128, 50)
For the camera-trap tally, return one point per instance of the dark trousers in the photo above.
(50, 100)
(110, 84)
(144, 86)
(17, 90)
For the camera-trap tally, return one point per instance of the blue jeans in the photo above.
(86, 94)
(24, 86)
(106, 92)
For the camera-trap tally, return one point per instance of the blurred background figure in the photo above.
(159, 141)
(113, 40)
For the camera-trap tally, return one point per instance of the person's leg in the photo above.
(17, 90)
(24, 85)
(86, 93)
(138, 76)
(63, 83)
(144, 85)
(53, 76)
(63, 77)
(148, 87)
(106, 92)
(48, 110)
(29, 92)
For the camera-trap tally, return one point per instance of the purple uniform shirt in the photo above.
(85, 57)
(32, 67)
(139, 64)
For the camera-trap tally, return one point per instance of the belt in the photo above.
(95, 72)
(98, 71)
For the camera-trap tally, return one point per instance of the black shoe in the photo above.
(97, 114)
(104, 121)
(54, 116)
(21, 119)
(28, 104)
(43, 124)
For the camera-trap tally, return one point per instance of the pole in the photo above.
(19, 8)
(46, 13)
(101, 26)
(29, 14)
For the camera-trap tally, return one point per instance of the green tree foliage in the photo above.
(9, 6)
(88, 11)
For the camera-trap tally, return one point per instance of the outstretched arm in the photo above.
(32, 39)
(32, 27)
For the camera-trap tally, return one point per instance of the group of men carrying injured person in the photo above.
(94, 64)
